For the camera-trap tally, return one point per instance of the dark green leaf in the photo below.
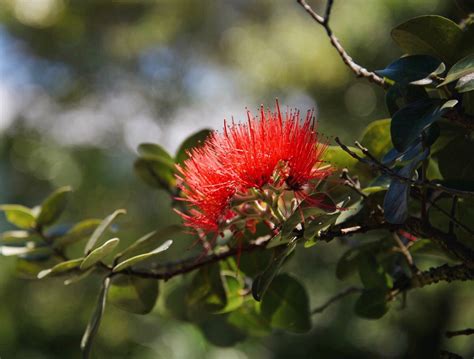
(53, 206)
(430, 35)
(191, 142)
(398, 97)
(133, 294)
(372, 274)
(156, 172)
(371, 304)
(410, 68)
(233, 286)
(409, 122)
(263, 281)
(207, 291)
(101, 229)
(254, 263)
(395, 203)
(286, 305)
(18, 215)
(93, 326)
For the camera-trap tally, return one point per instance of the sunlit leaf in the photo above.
(19, 215)
(142, 257)
(101, 229)
(99, 253)
(61, 267)
(53, 206)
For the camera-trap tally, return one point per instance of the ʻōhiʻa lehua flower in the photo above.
(248, 172)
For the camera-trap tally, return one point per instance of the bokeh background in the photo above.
(83, 82)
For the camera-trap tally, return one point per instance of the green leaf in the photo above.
(133, 294)
(465, 83)
(94, 323)
(347, 264)
(430, 35)
(191, 142)
(263, 280)
(376, 137)
(101, 229)
(152, 150)
(19, 215)
(395, 203)
(410, 68)
(78, 232)
(312, 229)
(398, 97)
(372, 304)
(233, 287)
(99, 253)
(372, 274)
(142, 257)
(254, 263)
(61, 268)
(409, 122)
(15, 238)
(150, 241)
(462, 68)
(248, 319)
(156, 172)
(30, 251)
(207, 291)
(53, 206)
(286, 305)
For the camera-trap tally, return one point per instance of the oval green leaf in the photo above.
(286, 305)
(53, 206)
(142, 257)
(19, 215)
(99, 253)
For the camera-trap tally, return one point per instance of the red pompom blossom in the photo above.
(271, 152)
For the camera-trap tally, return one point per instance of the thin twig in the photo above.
(358, 70)
(337, 297)
(372, 161)
(406, 253)
(468, 331)
(453, 214)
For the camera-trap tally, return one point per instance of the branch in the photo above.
(337, 297)
(444, 273)
(358, 70)
(467, 331)
(374, 162)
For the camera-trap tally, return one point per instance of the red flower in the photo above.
(270, 149)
